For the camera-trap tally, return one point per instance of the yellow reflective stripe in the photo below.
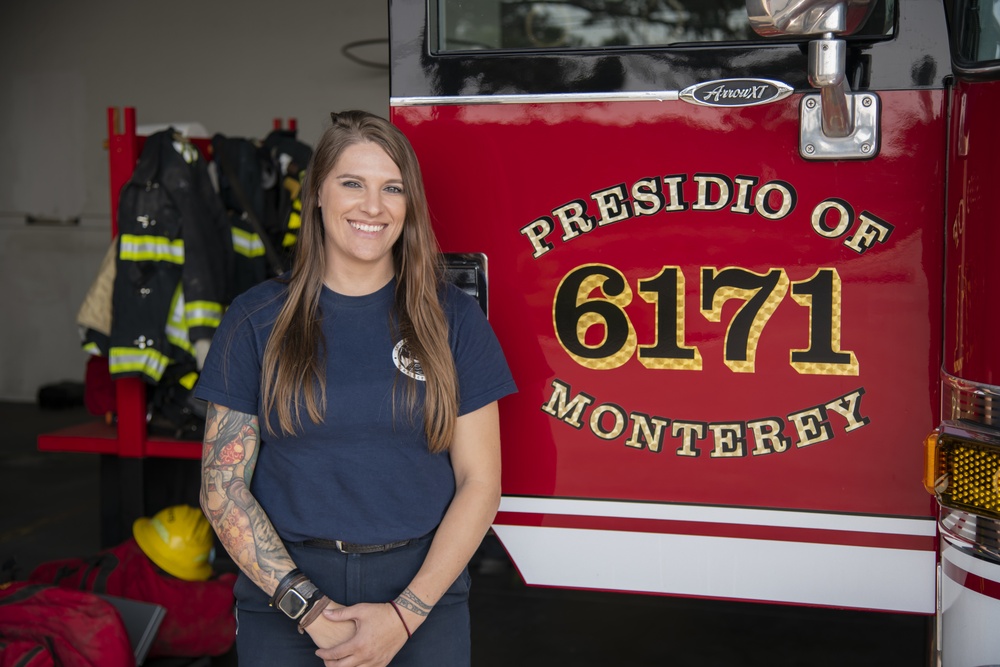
(137, 248)
(176, 328)
(147, 361)
(202, 314)
(247, 244)
(177, 305)
(189, 380)
(295, 216)
(180, 340)
(93, 349)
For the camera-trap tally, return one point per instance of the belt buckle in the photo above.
(340, 546)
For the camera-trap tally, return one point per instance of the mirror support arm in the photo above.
(837, 124)
(827, 71)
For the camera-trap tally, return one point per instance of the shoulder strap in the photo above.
(105, 564)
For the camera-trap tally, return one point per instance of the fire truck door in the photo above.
(722, 311)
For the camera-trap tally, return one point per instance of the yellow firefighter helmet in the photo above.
(179, 540)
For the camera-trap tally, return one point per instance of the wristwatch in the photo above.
(297, 599)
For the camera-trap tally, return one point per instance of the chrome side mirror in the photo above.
(839, 124)
(770, 18)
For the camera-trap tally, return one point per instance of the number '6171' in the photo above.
(575, 312)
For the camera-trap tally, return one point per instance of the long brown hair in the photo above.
(294, 358)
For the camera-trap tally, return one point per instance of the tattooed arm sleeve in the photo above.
(229, 455)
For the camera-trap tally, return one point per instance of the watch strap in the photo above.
(306, 589)
(287, 581)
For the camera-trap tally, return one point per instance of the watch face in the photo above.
(293, 604)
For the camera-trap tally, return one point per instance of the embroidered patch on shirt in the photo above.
(405, 362)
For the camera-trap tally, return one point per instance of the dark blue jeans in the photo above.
(267, 637)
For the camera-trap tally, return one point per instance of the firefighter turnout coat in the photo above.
(174, 263)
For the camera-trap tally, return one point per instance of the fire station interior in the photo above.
(243, 69)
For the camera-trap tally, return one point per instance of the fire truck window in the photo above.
(462, 25)
(977, 31)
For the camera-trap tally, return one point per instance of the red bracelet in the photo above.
(400, 614)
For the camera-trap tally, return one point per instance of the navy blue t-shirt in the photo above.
(364, 474)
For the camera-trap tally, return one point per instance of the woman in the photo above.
(351, 462)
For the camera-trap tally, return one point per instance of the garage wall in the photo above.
(230, 65)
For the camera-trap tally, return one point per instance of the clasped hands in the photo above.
(361, 635)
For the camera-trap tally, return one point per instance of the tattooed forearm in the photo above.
(409, 600)
(270, 552)
(228, 460)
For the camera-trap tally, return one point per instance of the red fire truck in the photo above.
(741, 258)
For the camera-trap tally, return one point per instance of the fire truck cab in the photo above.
(741, 257)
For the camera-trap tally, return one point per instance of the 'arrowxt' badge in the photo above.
(736, 92)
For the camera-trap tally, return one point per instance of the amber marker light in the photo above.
(963, 468)
(933, 466)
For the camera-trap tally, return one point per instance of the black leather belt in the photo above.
(352, 548)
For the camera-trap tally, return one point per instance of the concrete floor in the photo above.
(51, 509)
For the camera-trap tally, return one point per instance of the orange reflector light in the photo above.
(963, 468)
(933, 464)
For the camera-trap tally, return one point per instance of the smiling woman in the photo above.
(363, 206)
(358, 522)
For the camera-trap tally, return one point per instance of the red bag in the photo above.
(199, 619)
(25, 653)
(46, 625)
